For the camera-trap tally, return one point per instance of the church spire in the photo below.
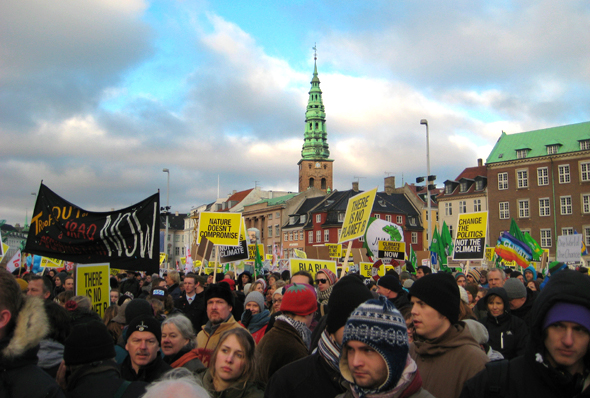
(315, 142)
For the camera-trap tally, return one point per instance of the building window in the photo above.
(412, 220)
(585, 171)
(285, 237)
(341, 217)
(542, 176)
(544, 209)
(414, 238)
(448, 209)
(464, 186)
(310, 236)
(502, 181)
(318, 218)
(552, 149)
(326, 235)
(586, 203)
(300, 235)
(504, 211)
(270, 216)
(270, 231)
(290, 235)
(451, 230)
(546, 238)
(340, 230)
(277, 230)
(176, 238)
(478, 185)
(388, 217)
(476, 204)
(183, 253)
(462, 206)
(399, 219)
(177, 250)
(521, 153)
(278, 214)
(449, 189)
(564, 173)
(523, 208)
(587, 235)
(318, 236)
(567, 231)
(377, 216)
(522, 178)
(303, 218)
(584, 145)
(566, 205)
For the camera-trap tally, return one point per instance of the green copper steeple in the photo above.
(315, 143)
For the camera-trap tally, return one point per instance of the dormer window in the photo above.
(521, 153)
(412, 220)
(584, 145)
(464, 186)
(341, 217)
(448, 189)
(303, 218)
(478, 185)
(552, 149)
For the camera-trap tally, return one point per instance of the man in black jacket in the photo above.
(192, 300)
(557, 360)
(390, 287)
(318, 375)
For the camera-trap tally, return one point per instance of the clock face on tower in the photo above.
(318, 165)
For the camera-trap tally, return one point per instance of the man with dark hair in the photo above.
(69, 283)
(422, 271)
(40, 286)
(23, 323)
(302, 277)
(192, 300)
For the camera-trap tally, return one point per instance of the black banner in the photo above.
(127, 239)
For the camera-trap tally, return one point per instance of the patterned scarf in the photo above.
(330, 350)
(324, 296)
(301, 328)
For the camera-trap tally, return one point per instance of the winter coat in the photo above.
(19, 374)
(524, 312)
(50, 355)
(175, 291)
(195, 311)
(530, 375)
(401, 300)
(237, 390)
(421, 393)
(446, 362)
(207, 341)
(151, 372)
(279, 347)
(185, 358)
(508, 334)
(314, 379)
(101, 381)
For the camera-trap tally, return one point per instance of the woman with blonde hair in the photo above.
(231, 368)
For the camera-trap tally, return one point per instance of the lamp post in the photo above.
(167, 211)
(425, 122)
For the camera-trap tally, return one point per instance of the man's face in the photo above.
(218, 310)
(114, 296)
(517, 303)
(69, 285)
(210, 279)
(162, 284)
(384, 291)
(567, 344)
(300, 279)
(322, 281)
(189, 286)
(461, 281)
(143, 348)
(36, 289)
(428, 322)
(470, 280)
(495, 279)
(367, 365)
(528, 275)
(148, 279)
(419, 273)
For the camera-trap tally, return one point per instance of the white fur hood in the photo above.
(31, 327)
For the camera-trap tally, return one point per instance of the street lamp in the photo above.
(425, 122)
(167, 209)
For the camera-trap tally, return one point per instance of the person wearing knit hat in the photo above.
(375, 353)
(460, 279)
(142, 341)
(473, 276)
(89, 369)
(389, 286)
(517, 275)
(319, 374)
(515, 289)
(289, 338)
(255, 316)
(220, 301)
(556, 362)
(445, 351)
(325, 280)
(520, 298)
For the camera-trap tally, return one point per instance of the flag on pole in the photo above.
(14, 262)
(446, 240)
(535, 248)
(413, 259)
(258, 261)
(435, 247)
(584, 250)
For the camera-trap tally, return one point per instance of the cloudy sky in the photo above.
(98, 96)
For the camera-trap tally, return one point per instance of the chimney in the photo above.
(176, 214)
(355, 186)
(479, 162)
(389, 184)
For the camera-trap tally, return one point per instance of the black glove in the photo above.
(246, 318)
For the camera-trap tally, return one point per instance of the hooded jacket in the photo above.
(531, 269)
(542, 379)
(19, 374)
(445, 363)
(508, 334)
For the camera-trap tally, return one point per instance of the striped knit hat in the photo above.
(475, 274)
(378, 324)
(329, 274)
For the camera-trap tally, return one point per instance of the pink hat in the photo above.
(331, 276)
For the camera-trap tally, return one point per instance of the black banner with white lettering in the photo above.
(127, 239)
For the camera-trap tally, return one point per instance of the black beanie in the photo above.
(88, 342)
(440, 291)
(136, 308)
(144, 323)
(390, 282)
(220, 290)
(347, 294)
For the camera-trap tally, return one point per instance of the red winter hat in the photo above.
(299, 299)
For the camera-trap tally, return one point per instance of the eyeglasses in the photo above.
(321, 281)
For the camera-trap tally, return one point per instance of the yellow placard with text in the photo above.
(391, 250)
(357, 216)
(334, 249)
(162, 258)
(269, 257)
(300, 253)
(50, 262)
(470, 239)
(220, 228)
(92, 281)
(367, 270)
(252, 252)
(310, 265)
(490, 251)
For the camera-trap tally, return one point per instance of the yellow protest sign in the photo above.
(357, 216)
(334, 249)
(183, 261)
(391, 250)
(300, 253)
(92, 281)
(252, 252)
(162, 258)
(311, 266)
(50, 262)
(367, 270)
(490, 253)
(220, 228)
(269, 257)
(470, 240)
(5, 248)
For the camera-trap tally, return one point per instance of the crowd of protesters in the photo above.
(470, 333)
